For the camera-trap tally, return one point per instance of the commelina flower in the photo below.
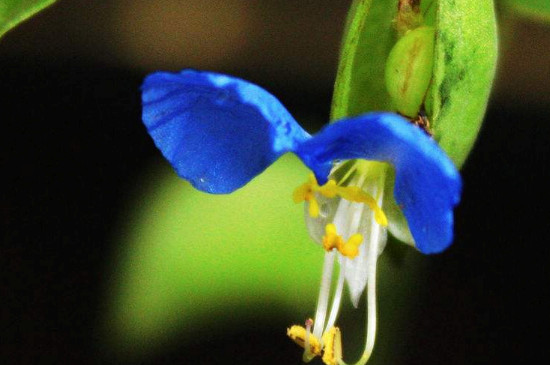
(219, 132)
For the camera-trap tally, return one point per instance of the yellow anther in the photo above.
(332, 340)
(332, 239)
(313, 208)
(306, 192)
(298, 335)
(331, 350)
(351, 248)
(301, 193)
(330, 229)
(330, 189)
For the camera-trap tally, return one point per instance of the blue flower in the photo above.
(219, 132)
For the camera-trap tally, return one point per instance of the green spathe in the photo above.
(368, 39)
(464, 68)
(465, 51)
(464, 62)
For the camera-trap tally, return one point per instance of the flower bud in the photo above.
(409, 70)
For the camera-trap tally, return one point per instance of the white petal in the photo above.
(397, 223)
(360, 219)
(356, 268)
(327, 210)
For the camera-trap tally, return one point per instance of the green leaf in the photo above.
(464, 68)
(13, 12)
(535, 9)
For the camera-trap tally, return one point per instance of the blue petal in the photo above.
(427, 185)
(217, 131)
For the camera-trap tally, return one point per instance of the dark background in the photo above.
(73, 146)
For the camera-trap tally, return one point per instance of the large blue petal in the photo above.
(427, 185)
(217, 131)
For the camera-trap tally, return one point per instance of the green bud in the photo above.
(409, 70)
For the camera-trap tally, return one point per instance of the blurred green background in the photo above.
(108, 257)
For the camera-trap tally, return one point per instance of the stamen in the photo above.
(331, 352)
(309, 322)
(371, 296)
(351, 248)
(371, 305)
(351, 216)
(337, 297)
(308, 354)
(313, 207)
(301, 193)
(333, 240)
(306, 192)
(332, 340)
(371, 284)
(301, 336)
(330, 189)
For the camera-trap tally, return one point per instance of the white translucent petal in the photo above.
(356, 268)
(397, 223)
(327, 210)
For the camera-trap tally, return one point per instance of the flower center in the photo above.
(349, 223)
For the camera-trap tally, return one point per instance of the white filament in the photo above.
(335, 307)
(307, 356)
(371, 290)
(324, 293)
(372, 260)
